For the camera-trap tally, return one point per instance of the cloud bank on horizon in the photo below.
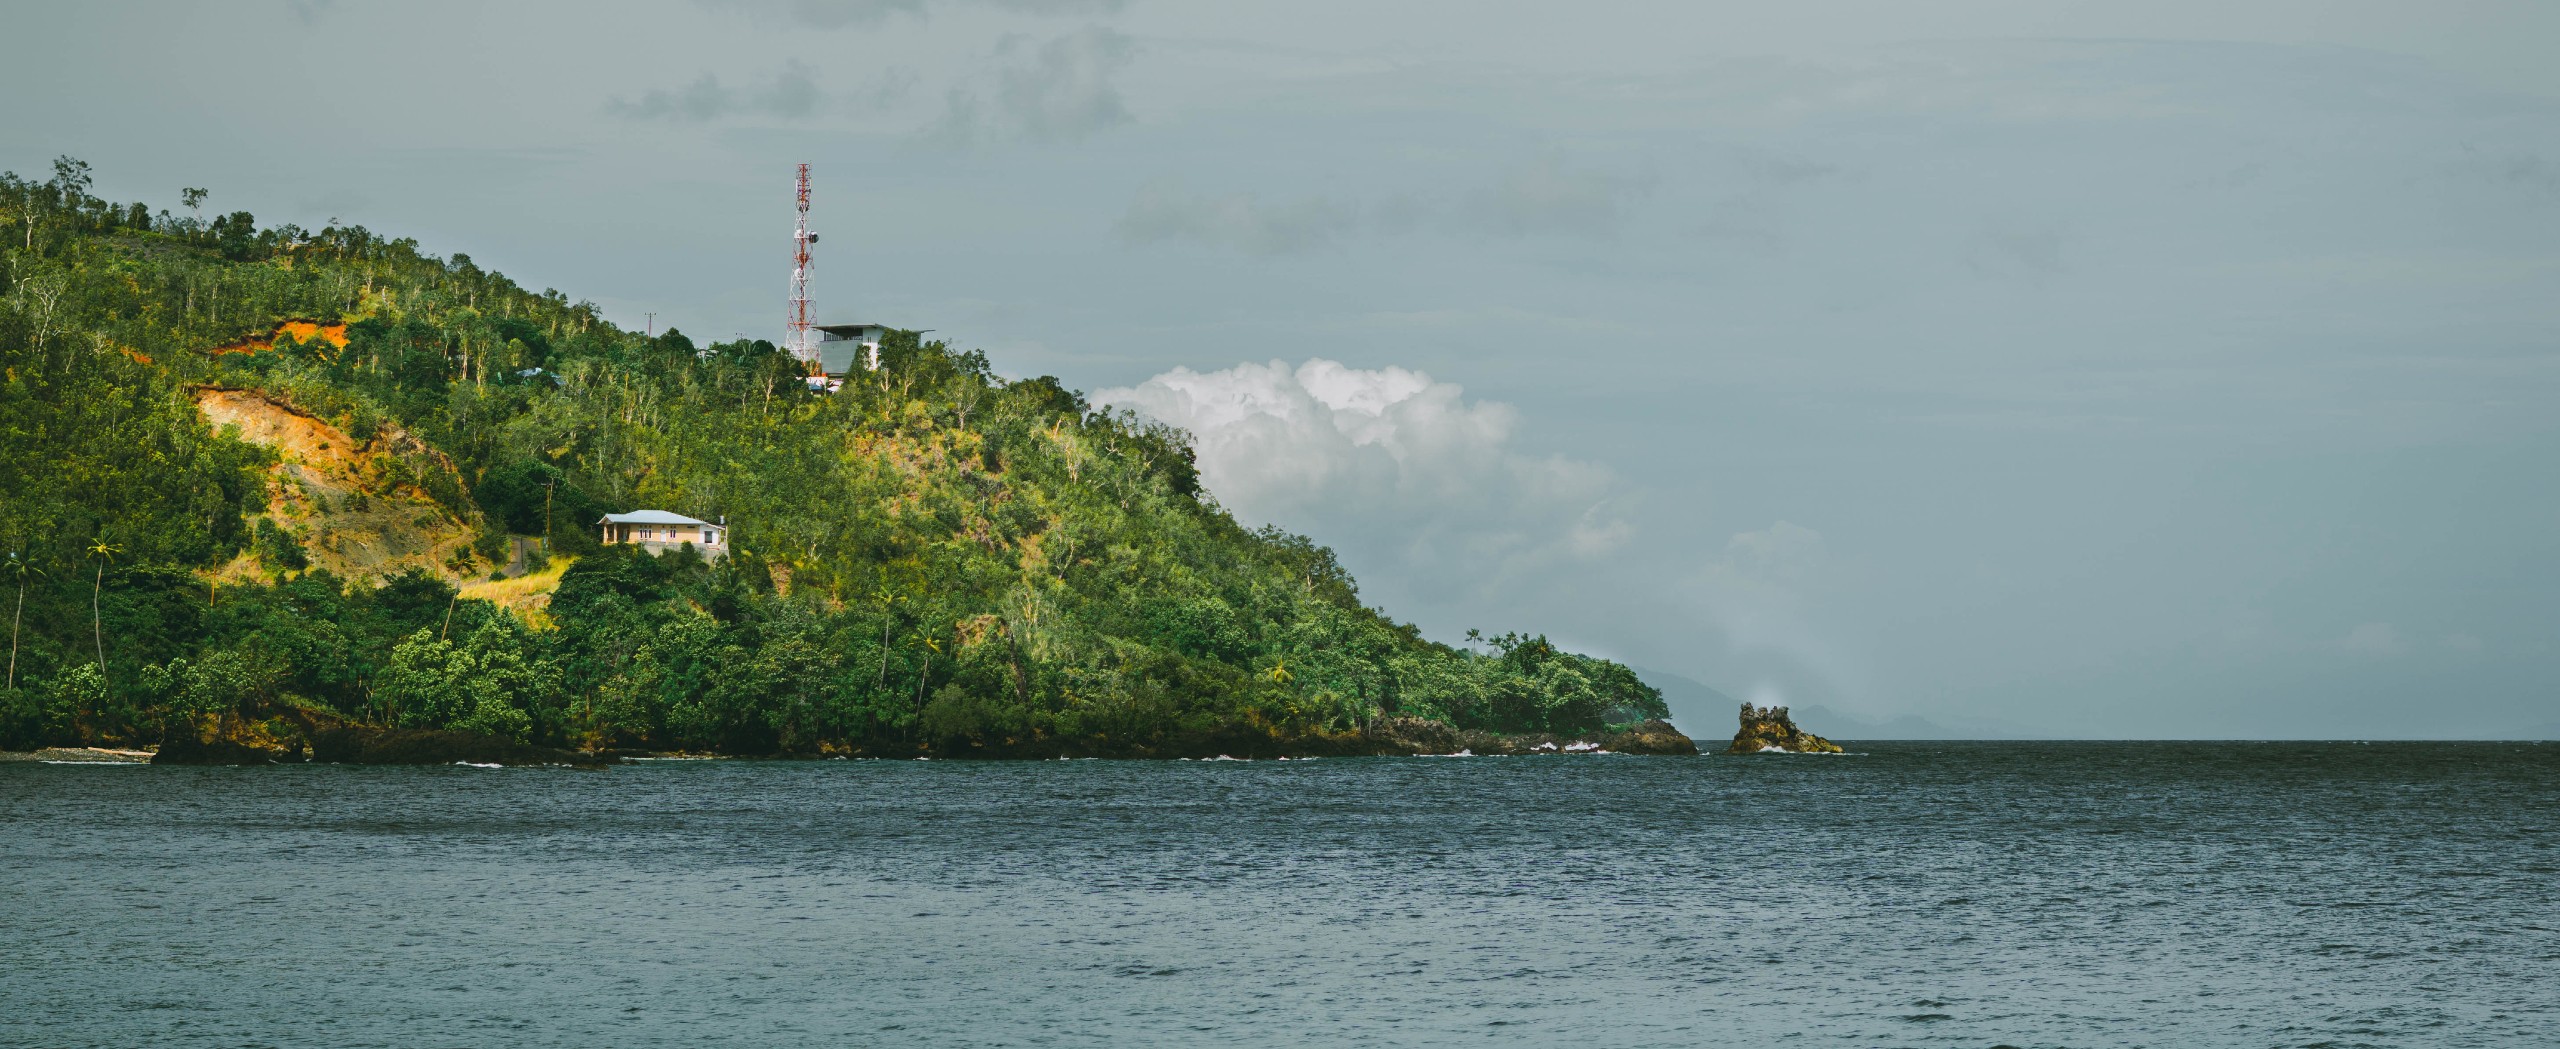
(1388, 461)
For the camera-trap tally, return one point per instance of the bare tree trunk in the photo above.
(1021, 679)
(885, 622)
(97, 630)
(14, 618)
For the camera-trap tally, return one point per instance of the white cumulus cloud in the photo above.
(1421, 490)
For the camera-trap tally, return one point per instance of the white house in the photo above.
(844, 348)
(658, 531)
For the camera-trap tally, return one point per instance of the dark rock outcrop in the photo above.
(1416, 736)
(1652, 737)
(362, 745)
(286, 734)
(1388, 737)
(298, 735)
(1769, 728)
(1413, 736)
(188, 750)
(228, 741)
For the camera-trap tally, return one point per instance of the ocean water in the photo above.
(2076, 894)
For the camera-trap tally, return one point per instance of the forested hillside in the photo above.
(935, 559)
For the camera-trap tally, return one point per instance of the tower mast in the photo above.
(801, 345)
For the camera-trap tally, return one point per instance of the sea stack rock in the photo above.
(1769, 728)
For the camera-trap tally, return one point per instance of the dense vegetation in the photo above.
(933, 557)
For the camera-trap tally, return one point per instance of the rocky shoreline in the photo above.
(79, 756)
(1392, 737)
(293, 737)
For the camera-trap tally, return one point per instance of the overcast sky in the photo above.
(2128, 369)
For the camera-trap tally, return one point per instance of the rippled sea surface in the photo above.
(2238, 894)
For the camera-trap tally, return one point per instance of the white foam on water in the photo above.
(478, 765)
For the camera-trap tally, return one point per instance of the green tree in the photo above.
(485, 684)
(80, 696)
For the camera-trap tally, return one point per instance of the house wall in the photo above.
(658, 539)
(709, 553)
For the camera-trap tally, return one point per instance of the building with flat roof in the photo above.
(658, 531)
(842, 348)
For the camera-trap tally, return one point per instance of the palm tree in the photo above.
(20, 568)
(105, 552)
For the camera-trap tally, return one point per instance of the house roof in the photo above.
(653, 517)
(849, 330)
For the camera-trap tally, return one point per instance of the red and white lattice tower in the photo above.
(801, 344)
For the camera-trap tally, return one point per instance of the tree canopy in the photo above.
(934, 556)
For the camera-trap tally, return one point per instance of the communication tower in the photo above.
(802, 344)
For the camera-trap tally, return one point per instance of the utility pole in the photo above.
(651, 331)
